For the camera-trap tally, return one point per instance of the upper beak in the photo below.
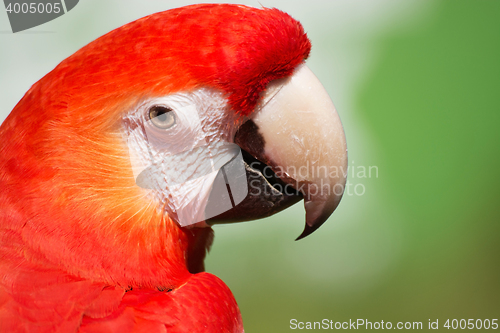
(297, 132)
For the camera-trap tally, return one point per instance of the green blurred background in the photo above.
(417, 85)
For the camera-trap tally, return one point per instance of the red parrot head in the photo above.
(124, 155)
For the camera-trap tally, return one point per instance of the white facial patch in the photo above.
(192, 167)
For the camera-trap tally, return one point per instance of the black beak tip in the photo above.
(316, 215)
(308, 230)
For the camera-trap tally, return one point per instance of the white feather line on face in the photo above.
(180, 165)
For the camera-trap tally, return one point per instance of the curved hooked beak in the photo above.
(296, 132)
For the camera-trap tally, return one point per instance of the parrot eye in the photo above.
(162, 116)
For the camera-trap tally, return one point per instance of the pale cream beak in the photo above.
(304, 142)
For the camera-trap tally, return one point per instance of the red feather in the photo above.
(80, 244)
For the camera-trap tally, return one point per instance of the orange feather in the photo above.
(81, 246)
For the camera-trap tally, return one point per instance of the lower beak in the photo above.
(297, 132)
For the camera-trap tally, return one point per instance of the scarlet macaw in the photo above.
(91, 240)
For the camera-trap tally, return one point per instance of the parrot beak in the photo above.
(293, 147)
(297, 132)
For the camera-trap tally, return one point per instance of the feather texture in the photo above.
(81, 246)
